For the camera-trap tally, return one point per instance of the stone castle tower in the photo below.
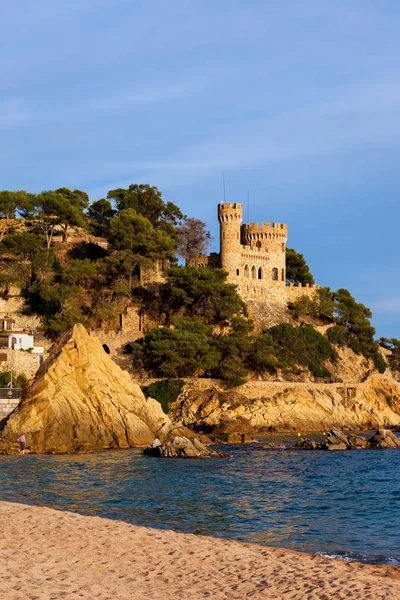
(254, 256)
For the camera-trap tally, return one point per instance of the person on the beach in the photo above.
(22, 442)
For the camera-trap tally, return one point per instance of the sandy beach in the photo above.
(47, 554)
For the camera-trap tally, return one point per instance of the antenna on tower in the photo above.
(223, 183)
(248, 206)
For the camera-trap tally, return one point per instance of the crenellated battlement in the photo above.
(303, 285)
(266, 228)
(228, 212)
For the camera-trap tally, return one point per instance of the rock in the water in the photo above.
(338, 440)
(81, 400)
(307, 444)
(384, 438)
(180, 447)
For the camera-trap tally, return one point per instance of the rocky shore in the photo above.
(46, 554)
(206, 405)
(339, 440)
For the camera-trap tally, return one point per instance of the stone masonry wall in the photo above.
(294, 292)
(7, 405)
(22, 362)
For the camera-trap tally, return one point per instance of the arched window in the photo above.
(258, 244)
(283, 247)
(246, 271)
(283, 274)
(237, 272)
(253, 272)
(260, 273)
(106, 349)
(274, 274)
(128, 349)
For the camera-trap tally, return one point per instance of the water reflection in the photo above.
(340, 504)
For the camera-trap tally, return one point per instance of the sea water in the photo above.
(339, 504)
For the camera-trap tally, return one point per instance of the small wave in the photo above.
(362, 558)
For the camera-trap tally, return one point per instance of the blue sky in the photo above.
(297, 102)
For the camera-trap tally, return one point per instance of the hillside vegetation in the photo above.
(67, 276)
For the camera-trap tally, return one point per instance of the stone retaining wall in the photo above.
(7, 405)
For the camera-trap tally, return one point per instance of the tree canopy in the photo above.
(147, 201)
(297, 270)
(201, 293)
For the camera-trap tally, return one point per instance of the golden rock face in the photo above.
(289, 406)
(81, 400)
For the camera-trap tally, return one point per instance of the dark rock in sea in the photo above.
(338, 440)
(180, 447)
(308, 444)
(384, 438)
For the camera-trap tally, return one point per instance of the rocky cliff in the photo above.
(81, 400)
(205, 405)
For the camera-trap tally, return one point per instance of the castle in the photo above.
(254, 257)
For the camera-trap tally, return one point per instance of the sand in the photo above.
(47, 554)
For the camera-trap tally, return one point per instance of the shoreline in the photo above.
(50, 554)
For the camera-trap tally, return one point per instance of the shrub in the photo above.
(165, 391)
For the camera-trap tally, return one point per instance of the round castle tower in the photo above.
(230, 219)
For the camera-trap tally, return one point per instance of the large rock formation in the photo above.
(205, 405)
(81, 400)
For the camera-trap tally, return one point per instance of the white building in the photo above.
(17, 339)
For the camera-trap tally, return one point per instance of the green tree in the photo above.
(100, 213)
(297, 270)
(60, 208)
(182, 351)
(353, 328)
(200, 293)
(11, 203)
(300, 345)
(262, 357)
(303, 306)
(31, 252)
(147, 201)
(326, 304)
(192, 239)
(165, 391)
(137, 243)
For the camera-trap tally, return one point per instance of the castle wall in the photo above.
(133, 326)
(294, 292)
(255, 257)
